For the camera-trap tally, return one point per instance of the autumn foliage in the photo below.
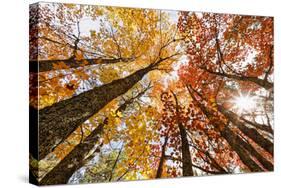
(125, 94)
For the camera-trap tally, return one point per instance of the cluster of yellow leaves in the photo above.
(52, 90)
(137, 33)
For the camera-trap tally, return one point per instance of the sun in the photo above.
(244, 103)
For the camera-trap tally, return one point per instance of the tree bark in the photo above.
(261, 127)
(264, 162)
(261, 82)
(186, 156)
(61, 173)
(235, 142)
(58, 121)
(76, 156)
(162, 159)
(249, 132)
(48, 65)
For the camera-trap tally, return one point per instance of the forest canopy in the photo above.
(128, 94)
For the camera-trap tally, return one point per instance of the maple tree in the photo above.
(218, 51)
(125, 94)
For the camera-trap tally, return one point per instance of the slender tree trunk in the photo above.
(61, 173)
(263, 161)
(261, 127)
(243, 149)
(212, 161)
(115, 164)
(48, 65)
(186, 156)
(58, 121)
(261, 82)
(162, 159)
(235, 142)
(75, 159)
(249, 132)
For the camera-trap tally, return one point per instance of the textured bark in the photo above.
(186, 156)
(58, 121)
(162, 159)
(61, 173)
(76, 156)
(249, 132)
(263, 161)
(242, 148)
(48, 65)
(235, 142)
(261, 127)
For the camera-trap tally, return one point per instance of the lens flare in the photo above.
(244, 103)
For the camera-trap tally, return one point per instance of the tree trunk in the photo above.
(261, 127)
(76, 156)
(249, 132)
(264, 162)
(162, 159)
(233, 139)
(243, 149)
(235, 142)
(48, 65)
(61, 173)
(186, 156)
(58, 121)
(261, 82)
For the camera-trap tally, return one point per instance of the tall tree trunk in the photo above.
(252, 151)
(260, 82)
(58, 121)
(76, 157)
(262, 127)
(235, 142)
(249, 132)
(48, 65)
(186, 156)
(162, 158)
(61, 173)
(211, 161)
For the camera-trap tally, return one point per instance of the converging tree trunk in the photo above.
(49, 65)
(235, 142)
(61, 173)
(58, 121)
(249, 132)
(260, 82)
(241, 147)
(186, 156)
(162, 158)
(61, 119)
